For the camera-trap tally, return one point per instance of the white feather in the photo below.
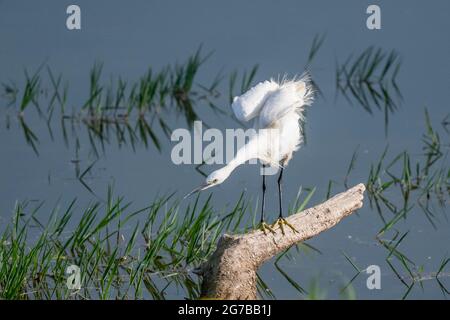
(292, 96)
(248, 105)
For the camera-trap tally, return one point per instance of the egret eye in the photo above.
(212, 181)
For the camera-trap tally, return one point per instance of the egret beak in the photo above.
(199, 188)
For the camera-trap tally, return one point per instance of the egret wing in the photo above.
(248, 105)
(290, 97)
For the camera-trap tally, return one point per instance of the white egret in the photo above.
(277, 106)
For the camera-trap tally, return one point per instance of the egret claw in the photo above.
(281, 222)
(264, 227)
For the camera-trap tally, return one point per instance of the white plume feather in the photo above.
(291, 96)
(248, 105)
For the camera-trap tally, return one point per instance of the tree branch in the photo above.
(230, 273)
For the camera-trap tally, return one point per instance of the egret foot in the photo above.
(282, 222)
(264, 227)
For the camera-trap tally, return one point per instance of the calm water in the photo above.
(277, 36)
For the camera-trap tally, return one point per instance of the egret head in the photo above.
(215, 178)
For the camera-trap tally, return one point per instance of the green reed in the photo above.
(402, 183)
(370, 80)
(122, 252)
(427, 177)
(133, 110)
(31, 90)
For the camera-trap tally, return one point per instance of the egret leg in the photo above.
(263, 203)
(263, 225)
(281, 221)
(280, 194)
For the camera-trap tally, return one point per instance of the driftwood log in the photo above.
(230, 273)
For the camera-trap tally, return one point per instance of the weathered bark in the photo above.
(230, 273)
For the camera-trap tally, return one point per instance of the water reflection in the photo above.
(369, 79)
(122, 112)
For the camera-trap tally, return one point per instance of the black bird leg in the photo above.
(263, 225)
(281, 221)
(263, 204)
(280, 194)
